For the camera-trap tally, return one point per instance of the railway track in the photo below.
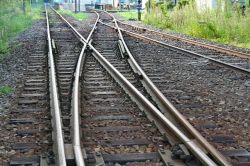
(30, 113)
(166, 62)
(104, 109)
(141, 30)
(222, 56)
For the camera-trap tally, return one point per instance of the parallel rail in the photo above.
(221, 49)
(55, 103)
(218, 62)
(139, 98)
(167, 106)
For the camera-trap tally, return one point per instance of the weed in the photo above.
(223, 23)
(18, 44)
(78, 15)
(12, 10)
(5, 89)
(131, 14)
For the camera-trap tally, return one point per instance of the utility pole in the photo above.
(24, 6)
(79, 3)
(139, 10)
(75, 5)
(148, 6)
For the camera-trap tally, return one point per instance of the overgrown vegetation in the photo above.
(5, 89)
(226, 22)
(14, 17)
(131, 15)
(79, 15)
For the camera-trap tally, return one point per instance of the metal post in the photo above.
(148, 6)
(139, 10)
(79, 5)
(139, 15)
(24, 6)
(75, 5)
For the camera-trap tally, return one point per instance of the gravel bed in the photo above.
(13, 67)
(83, 27)
(12, 70)
(215, 91)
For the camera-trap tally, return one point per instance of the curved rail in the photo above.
(75, 95)
(166, 103)
(76, 124)
(55, 103)
(140, 98)
(217, 48)
(149, 106)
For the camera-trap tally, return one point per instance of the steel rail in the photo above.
(76, 113)
(76, 123)
(149, 106)
(188, 142)
(55, 104)
(168, 106)
(75, 94)
(83, 40)
(218, 62)
(217, 48)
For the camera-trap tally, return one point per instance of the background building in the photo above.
(212, 3)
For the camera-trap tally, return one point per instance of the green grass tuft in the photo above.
(78, 15)
(131, 15)
(5, 89)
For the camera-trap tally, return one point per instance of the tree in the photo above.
(182, 3)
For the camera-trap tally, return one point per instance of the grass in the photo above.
(13, 20)
(5, 89)
(79, 15)
(18, 44)
(226, 25)
(131, 14)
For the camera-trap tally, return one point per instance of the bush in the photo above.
(13, 10)
(5, 89)
(225, 23)
(78, 15)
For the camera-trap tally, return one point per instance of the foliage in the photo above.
(13, 19)
(165, 7)
(182, 3)
(224, 23)
(5, 89)
(130, 15)
(78, 15)
(153, 4)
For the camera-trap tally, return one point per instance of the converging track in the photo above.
(100, 97)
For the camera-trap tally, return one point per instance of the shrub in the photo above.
(5, 89)
(13, 10)
(224, 23)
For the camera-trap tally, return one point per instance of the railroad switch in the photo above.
(166, 156)
(50, 157)
(93, 158)
(80, 44)
(180, 151)
(146, 126)
(88, 49)
(54, 47)
(48, 128)
(122, 49)
(159, 139)
(141, 114)
(138, 75)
